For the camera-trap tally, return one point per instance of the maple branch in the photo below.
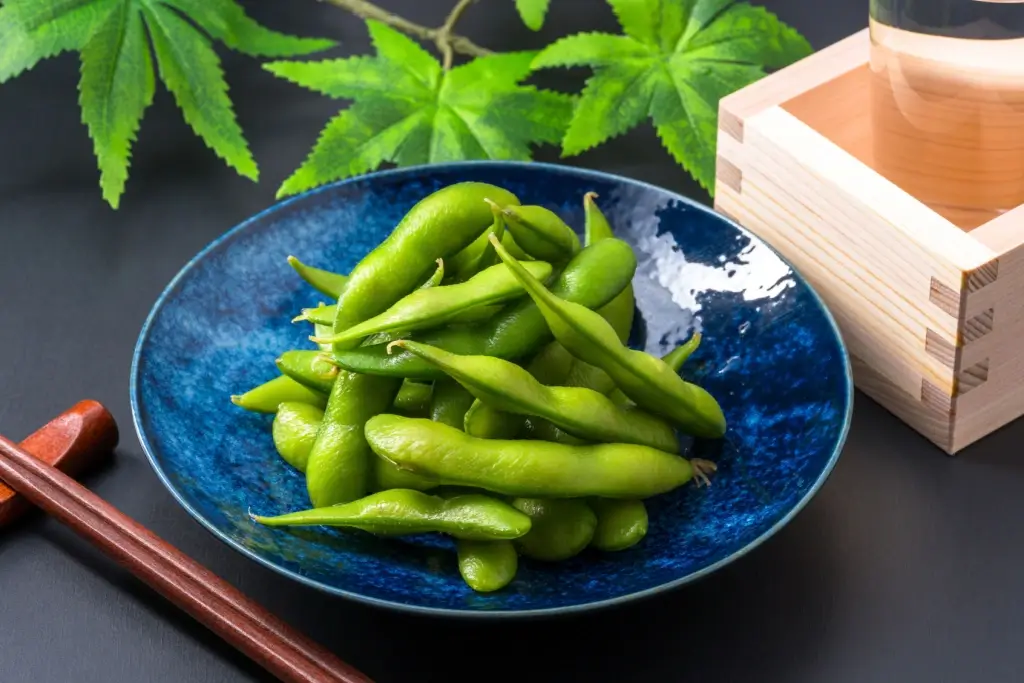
(444, 34)
(367, 10)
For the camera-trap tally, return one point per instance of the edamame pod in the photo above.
(487, 566)
(647, 380)
(294, 432)
(402, 512)
(324, 281)
(438, 226)
(309, 367)
(621, 524)
(540, 429)
(413, 398)
(267, 397)
(323, 317)
(674, 359)
(340, 463)
(513, 248)
(551, 366)
(450, 402)
(387, 476)
(319, 329)
(531, 469)
(485, 422)
(541, 233)
(559, 529)
(479, 255)
(582, 412)
(619, 311)
(338, 469)
(592, 278)
(427, 308)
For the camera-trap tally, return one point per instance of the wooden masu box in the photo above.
(933, 315)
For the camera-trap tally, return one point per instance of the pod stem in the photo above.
(397, 342)
(329, 359)
(701, 469)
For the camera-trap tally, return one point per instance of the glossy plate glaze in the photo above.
(771, 354)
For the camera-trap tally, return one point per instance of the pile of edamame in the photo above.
(471, 378)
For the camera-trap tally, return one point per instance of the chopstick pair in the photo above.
(219, 606)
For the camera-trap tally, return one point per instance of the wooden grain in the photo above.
(852, 251)
(822, 67)
(74, 441)
(934, 424)
(932, 313)
(267, 640)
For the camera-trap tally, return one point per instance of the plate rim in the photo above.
(413, 171)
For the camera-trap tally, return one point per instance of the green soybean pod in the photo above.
(551, 365)
(540, 429)
(674, 359)
(513, 248)
(339, 465)
(530, 469)
(541, 233)
(319, 329)
(427, 308)
(450, 402)
(310, 368)
(487, 566)
(267, 397)
(619, 312)
(413, 398)
(592, 278)
(559, 529)
(438, 226)
(621, 524)
(386, 476)
(582, 412)
(323, 315)
(485, 422)
(324, 281)
(647, 380)
(402, 512)
(323, 318)
(479, 255)
(294, 431)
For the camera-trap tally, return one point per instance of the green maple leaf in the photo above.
(675, 60)
(533, 12)
(119, 41)
(407, 110)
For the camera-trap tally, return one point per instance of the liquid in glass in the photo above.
(947, 101)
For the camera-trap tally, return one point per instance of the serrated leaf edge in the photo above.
(252, 174)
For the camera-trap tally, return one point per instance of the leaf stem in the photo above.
(444, 34)
(456, 43)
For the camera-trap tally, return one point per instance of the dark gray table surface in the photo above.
(906, 566)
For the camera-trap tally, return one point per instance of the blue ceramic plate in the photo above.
(771, 354)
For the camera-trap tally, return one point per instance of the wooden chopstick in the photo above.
(219, 606)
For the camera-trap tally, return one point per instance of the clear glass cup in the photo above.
(947, 103)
